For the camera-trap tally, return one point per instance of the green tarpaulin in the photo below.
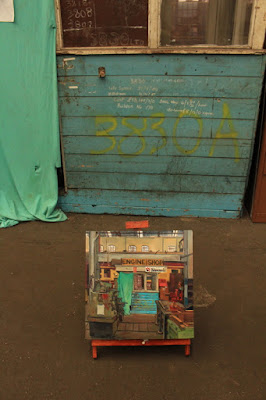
(29, 138)
(125, 289)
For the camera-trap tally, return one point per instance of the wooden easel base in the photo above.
(152, 342)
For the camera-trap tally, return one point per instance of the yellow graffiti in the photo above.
(105, 133)
(137, 132)
(134, 131)
(229, 135)
(199, 121)
(157, 127)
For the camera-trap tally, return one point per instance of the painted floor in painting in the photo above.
(138, 326)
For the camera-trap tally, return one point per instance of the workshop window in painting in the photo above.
(135, 294)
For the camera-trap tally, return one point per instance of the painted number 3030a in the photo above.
(137, 131)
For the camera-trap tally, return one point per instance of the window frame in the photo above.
(144, 274)
(130, 246)
(109, 248)
(146, 246)
(254, 46)
(108, 272)
(172, 251)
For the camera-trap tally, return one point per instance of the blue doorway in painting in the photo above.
(144, 303)
(145, 293)
(138, 292)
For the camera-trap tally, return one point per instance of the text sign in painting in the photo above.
(155, 269)
(104, 23)
(129, 261)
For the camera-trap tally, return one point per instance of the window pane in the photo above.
(104, 23)
(111, 248)
(107, 273)
(195, 22)
(145, 249)
(151, 282)
(138, 281)
(171, 249)
(132, 249)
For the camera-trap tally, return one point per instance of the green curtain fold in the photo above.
(29, 129)
(125, 289)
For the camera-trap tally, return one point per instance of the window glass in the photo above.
(181, 245)
(111, 248)
(132, 249)
(104, 23)
(151, 282)
(107, 273)
(138, 281)
(171, 249)
(201, 22)
(145, 249)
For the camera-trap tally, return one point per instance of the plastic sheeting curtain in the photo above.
(29, 137)
(125, 289)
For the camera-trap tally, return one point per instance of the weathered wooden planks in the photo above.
(157, 165)
(156, 182)
(176, 86)
(189, 127)
(160, 135)
(139, 65)
(142, 198)
(136, 146)
(151, 203)
(147, 106)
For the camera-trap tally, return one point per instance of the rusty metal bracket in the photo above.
(101, 72)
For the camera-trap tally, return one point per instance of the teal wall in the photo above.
(160, 134)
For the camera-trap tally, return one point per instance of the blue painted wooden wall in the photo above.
(160, 134)
(144, 303)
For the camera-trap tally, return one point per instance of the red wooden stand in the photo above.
(152, 342)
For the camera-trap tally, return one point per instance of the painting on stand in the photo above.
(139, 285)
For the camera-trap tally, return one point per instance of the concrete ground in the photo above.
(43, 353)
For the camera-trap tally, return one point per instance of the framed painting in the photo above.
(139, 285)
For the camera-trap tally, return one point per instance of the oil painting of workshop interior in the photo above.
(139, 285)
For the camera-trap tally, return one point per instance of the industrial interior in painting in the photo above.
(139, 285)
